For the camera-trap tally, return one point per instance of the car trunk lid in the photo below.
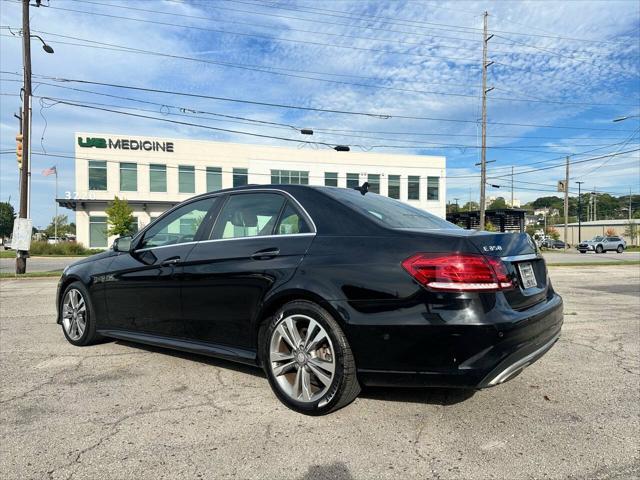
(523, 262)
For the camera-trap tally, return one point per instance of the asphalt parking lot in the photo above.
(120, 411)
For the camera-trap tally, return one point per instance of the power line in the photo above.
(415, 144)
(476, 30)
(266, 37)
(383, 116)
(269, 70)
(300, 141)
(72, 155)
(251, 121)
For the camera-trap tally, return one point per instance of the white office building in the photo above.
(154, 174)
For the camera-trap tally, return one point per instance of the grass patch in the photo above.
(55, 273)
(593, 264)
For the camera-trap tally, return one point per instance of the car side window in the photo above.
(180, 226)
(248, 215)
(291, 222)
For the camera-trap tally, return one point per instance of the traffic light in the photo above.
(19, 150)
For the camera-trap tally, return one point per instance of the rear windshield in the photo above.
(389, 212)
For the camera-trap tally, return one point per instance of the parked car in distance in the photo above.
(327, 289)
(602, 244)
(550, 243)
(6, 245)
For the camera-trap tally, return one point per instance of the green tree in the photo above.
(62, 222)
(470, 206)
(498, 203)
(119, 217)
(490, 227)
(531, 230)
(7, 215)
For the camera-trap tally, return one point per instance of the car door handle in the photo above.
(265, 254)
(170, 261)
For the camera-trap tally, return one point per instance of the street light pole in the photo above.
(579, 212)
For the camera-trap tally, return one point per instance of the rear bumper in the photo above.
(474, 356)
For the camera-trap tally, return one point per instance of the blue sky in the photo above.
(556, 64)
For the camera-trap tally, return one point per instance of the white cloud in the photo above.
(606, 73)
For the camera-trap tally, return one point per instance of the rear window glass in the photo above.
(389, 212)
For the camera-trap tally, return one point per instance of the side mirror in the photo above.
(122, 244)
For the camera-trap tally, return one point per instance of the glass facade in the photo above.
(413, 190)
(214, 179)
(330, 179)
(374, 183)
(128, 177)
(98, 232)
(433, 188)
(289, 177)
(353, 180)
(394, 187)
(240, 177)
(186, 179)
(97, 175)
(157, 177)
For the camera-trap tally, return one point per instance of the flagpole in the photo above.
(55, 222)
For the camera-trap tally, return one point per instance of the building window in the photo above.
(433, 188)
(157, 178)
(330, 179)
(128, 177)
(289, 177)
(97, 232)
(374, 183)
(186, 179)
(214, 179)
(394, 186)
(97, 175)
(414, 188)
(353, 180)
(240, 177)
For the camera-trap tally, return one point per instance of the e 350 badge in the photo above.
(492, 248)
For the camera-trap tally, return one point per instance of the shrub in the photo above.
(62, 248)
(611, 232)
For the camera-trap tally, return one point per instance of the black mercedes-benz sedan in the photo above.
(327, 289)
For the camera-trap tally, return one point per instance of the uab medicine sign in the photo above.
(125, 144)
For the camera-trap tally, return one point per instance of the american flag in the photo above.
(49, 171)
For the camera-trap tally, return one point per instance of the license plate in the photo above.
(527, 274)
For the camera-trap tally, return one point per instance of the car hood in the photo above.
(93, 258)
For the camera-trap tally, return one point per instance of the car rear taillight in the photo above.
(458, 272)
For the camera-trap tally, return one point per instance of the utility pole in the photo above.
(483, 167)
(566, 204)
(579, 211)
(21, 259)
(629, 205)
(595, 204)
(511, 186)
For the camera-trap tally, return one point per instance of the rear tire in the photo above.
(582, 251)
(308, 360)
(78, 318)
(620, 249)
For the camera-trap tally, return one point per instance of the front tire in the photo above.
(308, 360)
(78, 319)
(599, 249)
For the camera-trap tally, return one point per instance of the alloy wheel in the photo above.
(302, 358)
(74, 314)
